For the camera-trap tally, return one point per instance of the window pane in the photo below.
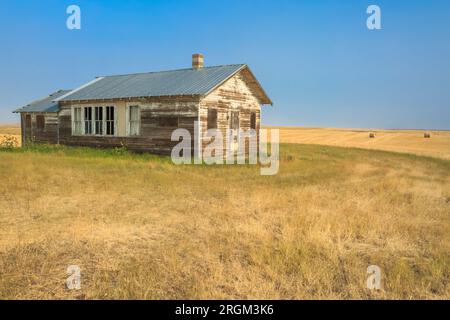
(253, 120)
(110, 120)
(88, 120)
(134, 120)
(134, 113)
(110, 127)
(99, 120)
(88, 127)
(77, 121)
(109, 113)
(77, 114)
(88, 113)
(212, 119)
(98, 113)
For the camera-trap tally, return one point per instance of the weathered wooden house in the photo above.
(141, 110)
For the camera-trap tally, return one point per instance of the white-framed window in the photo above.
(94, 120)
(133, 120)
(77, 121)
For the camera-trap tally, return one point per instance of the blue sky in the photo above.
(316, 59)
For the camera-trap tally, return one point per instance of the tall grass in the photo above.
(141, 227)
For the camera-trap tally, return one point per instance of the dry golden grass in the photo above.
(141, 227)
(409, 141)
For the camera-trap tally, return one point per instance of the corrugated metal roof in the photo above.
(46, 104)
(156, 84)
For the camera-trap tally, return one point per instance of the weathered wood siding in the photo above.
(159, 118)
(235, 95)
(32, 132)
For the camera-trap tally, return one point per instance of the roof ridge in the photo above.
(174, 70)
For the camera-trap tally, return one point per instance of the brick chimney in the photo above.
(197, 61)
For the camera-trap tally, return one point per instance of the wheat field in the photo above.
(141, 227)
(406, 141)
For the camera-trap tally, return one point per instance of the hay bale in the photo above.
(427, 135)
(371, 135)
